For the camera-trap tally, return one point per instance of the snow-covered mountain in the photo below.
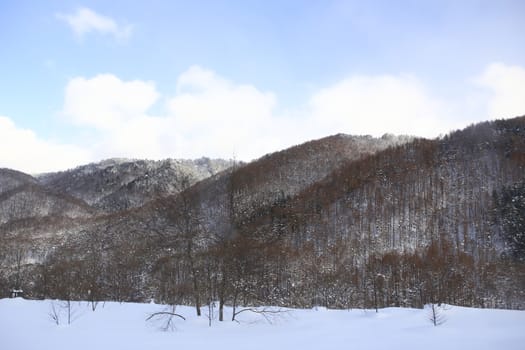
(117, 184)
(341, 221)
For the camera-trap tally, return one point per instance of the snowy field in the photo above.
(28, 325)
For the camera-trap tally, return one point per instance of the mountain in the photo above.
(247, 188)
(343, 221)
(23, 197)
(33, 200)
(118, 184)
(37, 214)
(405, 197)
(11, 179)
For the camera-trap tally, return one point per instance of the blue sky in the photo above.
(83, 81)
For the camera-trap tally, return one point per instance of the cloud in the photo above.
(402, 104)
(118, 112)
(210, 115)
(141, 137)
(24, 151)
(106, 102)
(376, 105)
(85, 21)
(506, 86)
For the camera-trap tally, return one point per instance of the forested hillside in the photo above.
(117, 184)
(341, 222)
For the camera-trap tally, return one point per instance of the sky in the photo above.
(82, 81)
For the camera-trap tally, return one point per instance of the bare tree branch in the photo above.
(164, 313)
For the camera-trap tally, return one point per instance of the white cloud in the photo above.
(212, 116)
(23, 150)
(208, 116)
(506, 85)
(376, 105)
(401, 104)
(106, 102)
(85, 21)
(140, 137)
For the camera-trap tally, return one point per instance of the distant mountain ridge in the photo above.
(118, 184)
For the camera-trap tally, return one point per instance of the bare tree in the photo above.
(267, 313)
(436, 315)
(54, 313)
(166, 317)
(185, 240)
(57, 308)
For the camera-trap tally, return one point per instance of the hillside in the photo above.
(425, 207)
(343, 221)
(11, 179)
(117, 184)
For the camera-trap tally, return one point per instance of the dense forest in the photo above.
(341, 222)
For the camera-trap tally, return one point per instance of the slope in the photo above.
(27, 325)
(118, 184)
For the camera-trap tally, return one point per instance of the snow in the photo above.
(26, 324)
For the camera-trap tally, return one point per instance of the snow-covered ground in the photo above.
(28, 325)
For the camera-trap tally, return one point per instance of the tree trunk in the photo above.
(196, 291)
(197, 305)
(234, 306)
(221, 309)
(68, 312)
